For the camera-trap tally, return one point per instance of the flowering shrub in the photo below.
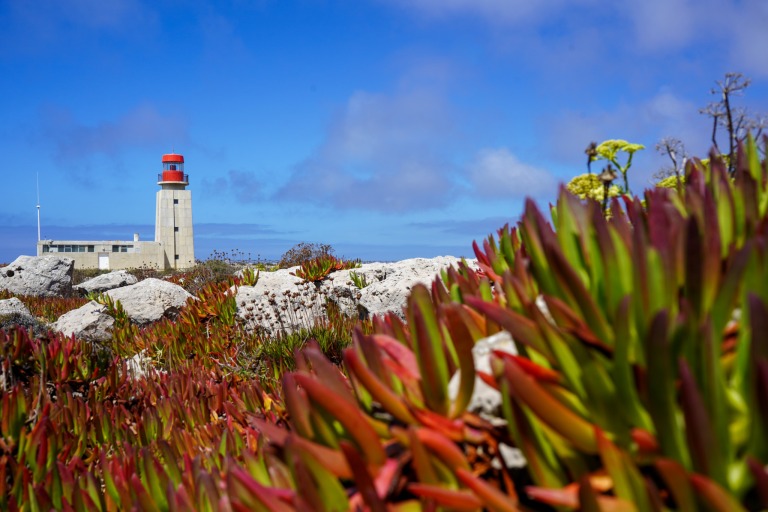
(589, 186)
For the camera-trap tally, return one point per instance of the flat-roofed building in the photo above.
(173, 247)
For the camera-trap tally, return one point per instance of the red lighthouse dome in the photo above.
(173, 170)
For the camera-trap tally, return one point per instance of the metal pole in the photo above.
(38, 206)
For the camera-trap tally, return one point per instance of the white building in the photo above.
(173, 247)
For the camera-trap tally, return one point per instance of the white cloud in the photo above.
(383, 152)
(498, 173)
(110, 15)
(245, 186)
(747, 28)
(143, 126)
(663, 24)
(495, 11)
(45, 24)
(736, 26)
(649, 27)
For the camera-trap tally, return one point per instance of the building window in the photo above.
(176, 229)
(175, 201)
(175, 256)
(67, 248)
(122, 248)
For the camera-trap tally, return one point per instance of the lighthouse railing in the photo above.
(185, 180)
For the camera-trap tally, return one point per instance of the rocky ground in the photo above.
(278, 302)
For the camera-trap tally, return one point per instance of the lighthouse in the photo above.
(173, 219)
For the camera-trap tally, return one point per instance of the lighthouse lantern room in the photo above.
(173, 170)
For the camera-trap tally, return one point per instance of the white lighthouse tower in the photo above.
(173, 221)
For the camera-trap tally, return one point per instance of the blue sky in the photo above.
(387, 128)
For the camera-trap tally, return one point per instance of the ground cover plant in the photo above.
(640, 380)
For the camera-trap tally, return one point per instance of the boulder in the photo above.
(391, 283)
(279, 303)
(282, 302)
(486, 401)
(89, 322)
(43, 276)
(14, 307)
(106, 282)
(13, 313)
(150, 300)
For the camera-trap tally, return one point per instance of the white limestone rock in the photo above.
(42, 276)
(279, 303)
(106, 282)
(13, 313)
(486, 401)
(89, 322)
(14, 307)
(138, 366)
(150, 300)
(390, 284)
(282, 302)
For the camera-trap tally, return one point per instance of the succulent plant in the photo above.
(640, 381)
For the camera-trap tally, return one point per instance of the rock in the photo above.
(150, 300)
(13, 313)
(486, 401)
(279, 303)
(42, 276)
(105, 282)
(14, 307)
(138, 366)
(391, 283)
(282, 302)
(89, 322)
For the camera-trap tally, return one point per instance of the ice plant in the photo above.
(640, 381)
(319, 268)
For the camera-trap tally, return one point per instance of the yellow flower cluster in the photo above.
(589, 186)
(670, 182)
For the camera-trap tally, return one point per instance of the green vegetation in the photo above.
(319, 268)
(640, 380)
(359, 280)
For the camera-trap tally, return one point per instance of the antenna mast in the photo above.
(38, 206)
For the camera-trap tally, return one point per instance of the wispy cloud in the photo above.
(75, 145)
(495, 11)
(497, 173)
(43, 24)
(466, 228)
(663, 24)
(647, 28)
(750, 38)
(244, 186)
(384, 152)
(142, 127)
(242, 230)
